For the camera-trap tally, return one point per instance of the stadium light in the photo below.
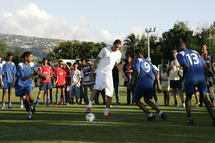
(149, 30)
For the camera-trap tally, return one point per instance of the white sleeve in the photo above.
(102, 54)
(79, 74)
(82, 74)
(119, 59)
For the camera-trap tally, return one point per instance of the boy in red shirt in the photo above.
(45, 72)
(60, 80)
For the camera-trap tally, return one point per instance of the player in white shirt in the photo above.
(108, 57)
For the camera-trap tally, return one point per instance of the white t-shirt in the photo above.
(165, 79)
(108, 59)
(75, 76)
(175, 71)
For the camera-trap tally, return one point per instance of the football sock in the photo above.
(176, 102)
(160, 113)
(150, 115)
(63, 99)
(38, 101)
(48, 99)
(27, 106)
(106, 111)
(57, 99)
(21, 103)
(3, 104)
(90, 104)
(9, 104)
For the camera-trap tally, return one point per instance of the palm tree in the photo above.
(130, 44)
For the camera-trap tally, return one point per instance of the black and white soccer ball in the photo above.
(90, 117)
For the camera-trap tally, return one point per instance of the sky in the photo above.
(100, 20)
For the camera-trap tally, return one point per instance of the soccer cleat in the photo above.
(21, 106)
(108, 117)
(32, 107)
(37, 105)
(151, 118)
(9, 107)
(175, 105)
(190, 122)
(29, 115)
(56, 105)
(2, 107)
(88, 110)
(183, 105)
(163, 116)
(118, 103)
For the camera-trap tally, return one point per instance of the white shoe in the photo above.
(29, 115)
(21, 106)
(183, 105)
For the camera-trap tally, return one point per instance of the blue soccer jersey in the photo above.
(146, 71)
(195, 75)
(144, 84)
(9, 70)
(23, 71)
(1, 68)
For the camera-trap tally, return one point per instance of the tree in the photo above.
(75, 50)
(130, 44)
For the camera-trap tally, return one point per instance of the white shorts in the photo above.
(104, 81)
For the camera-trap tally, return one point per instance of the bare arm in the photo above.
(158, 81)
(120, 69)
(134, 78)
(1, 80)
(94, 66)
(30, 76)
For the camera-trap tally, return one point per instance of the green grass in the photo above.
(130, 130)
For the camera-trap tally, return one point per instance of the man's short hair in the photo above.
(45, 59)
(69, 64)
(9, 54)
(75, 63)
(180, 43)
(26, 54)
(139, 51)
(117, 42)
(60, 61)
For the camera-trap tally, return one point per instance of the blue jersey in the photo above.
(23, 71)
(1, 68)
(9, 70)
(195, 65)
(147, 71)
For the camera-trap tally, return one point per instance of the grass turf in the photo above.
(13, 121)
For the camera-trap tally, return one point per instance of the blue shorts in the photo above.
(45, 85)
(143, 91)
(200, 84)
(22, 91)
(7, 85)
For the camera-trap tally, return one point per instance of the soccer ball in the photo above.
(90, 117)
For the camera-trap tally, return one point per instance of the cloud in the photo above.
(30, 20)
(137, 30)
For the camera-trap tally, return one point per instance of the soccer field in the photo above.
(67, 124)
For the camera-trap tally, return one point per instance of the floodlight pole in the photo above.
(148, 30)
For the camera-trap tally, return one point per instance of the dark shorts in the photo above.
(142, 91)
(201, 85)
(7, 85)
(61, 86)
(22, 91)
(175, 84)
(45, 85)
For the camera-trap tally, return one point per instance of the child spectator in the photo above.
(75, 80)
